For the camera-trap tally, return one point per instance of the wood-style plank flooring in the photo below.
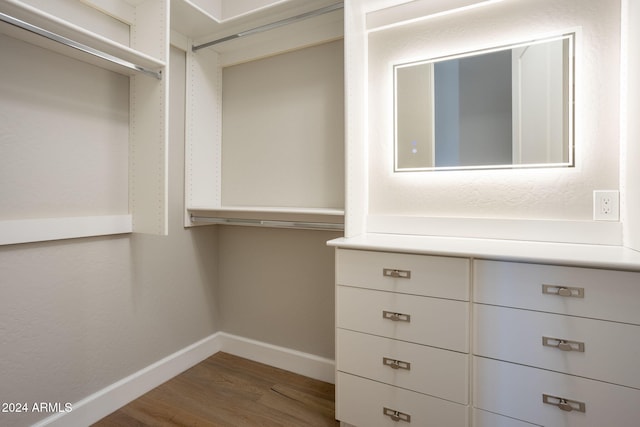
(226, 390)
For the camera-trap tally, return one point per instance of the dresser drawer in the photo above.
(489, 419)
(433, 371)
(605, 294)
(606, 351)
(517, 391)
(423, 320)
(442, 277)
(363, 403)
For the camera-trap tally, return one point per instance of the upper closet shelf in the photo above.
(24, 22)
(271, 26)
(200, 20)
(202, 25)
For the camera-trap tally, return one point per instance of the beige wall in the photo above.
(63, 136)
(283, 129)
(79, 315)
(277, 286)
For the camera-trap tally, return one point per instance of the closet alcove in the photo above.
(83, 155)
(265, 114)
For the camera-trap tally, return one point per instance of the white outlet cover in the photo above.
(606, 205)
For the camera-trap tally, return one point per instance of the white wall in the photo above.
(556, 194)
(79, 315)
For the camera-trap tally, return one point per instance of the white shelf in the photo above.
(271, 210)
(203, 24)
(82, 36)
(191, 20)
(278, 217)
(40, 230)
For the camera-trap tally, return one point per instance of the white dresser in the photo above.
(556, 345)
(402, 339)
(434, 332)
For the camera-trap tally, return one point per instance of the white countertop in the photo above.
(597, 256)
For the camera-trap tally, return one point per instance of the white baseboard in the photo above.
(100, 404)
(301, 363)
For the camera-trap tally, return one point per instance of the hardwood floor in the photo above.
(226, 390)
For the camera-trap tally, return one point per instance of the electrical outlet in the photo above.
(606, 205)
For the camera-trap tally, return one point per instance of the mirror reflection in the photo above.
(500, 108)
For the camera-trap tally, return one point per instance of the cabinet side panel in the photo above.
(148, 183)
(148, 161)
(203, 120)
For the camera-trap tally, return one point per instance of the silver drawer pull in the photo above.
(396, 364)
(563, 291)
(564, 345)
(564, 404)
(396, 317)
(396, 415)
(398, 274)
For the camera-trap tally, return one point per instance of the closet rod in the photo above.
(79, 46)
(273, 25)
(306, 225)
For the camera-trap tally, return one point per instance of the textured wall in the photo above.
(277, 286)
(283, 130)
(564, 194)
(79, 315)
(61, 155)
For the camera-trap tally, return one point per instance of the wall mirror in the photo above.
(507, 107)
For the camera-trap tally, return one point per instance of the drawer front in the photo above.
(606, 351)
(442, 277)
(489, 419)
(606, 294)
(517, 391)
(363, 403)
(423, 320)
(424, 369)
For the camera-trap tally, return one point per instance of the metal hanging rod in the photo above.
(273, 25)
(79, 46)
(305, 225)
